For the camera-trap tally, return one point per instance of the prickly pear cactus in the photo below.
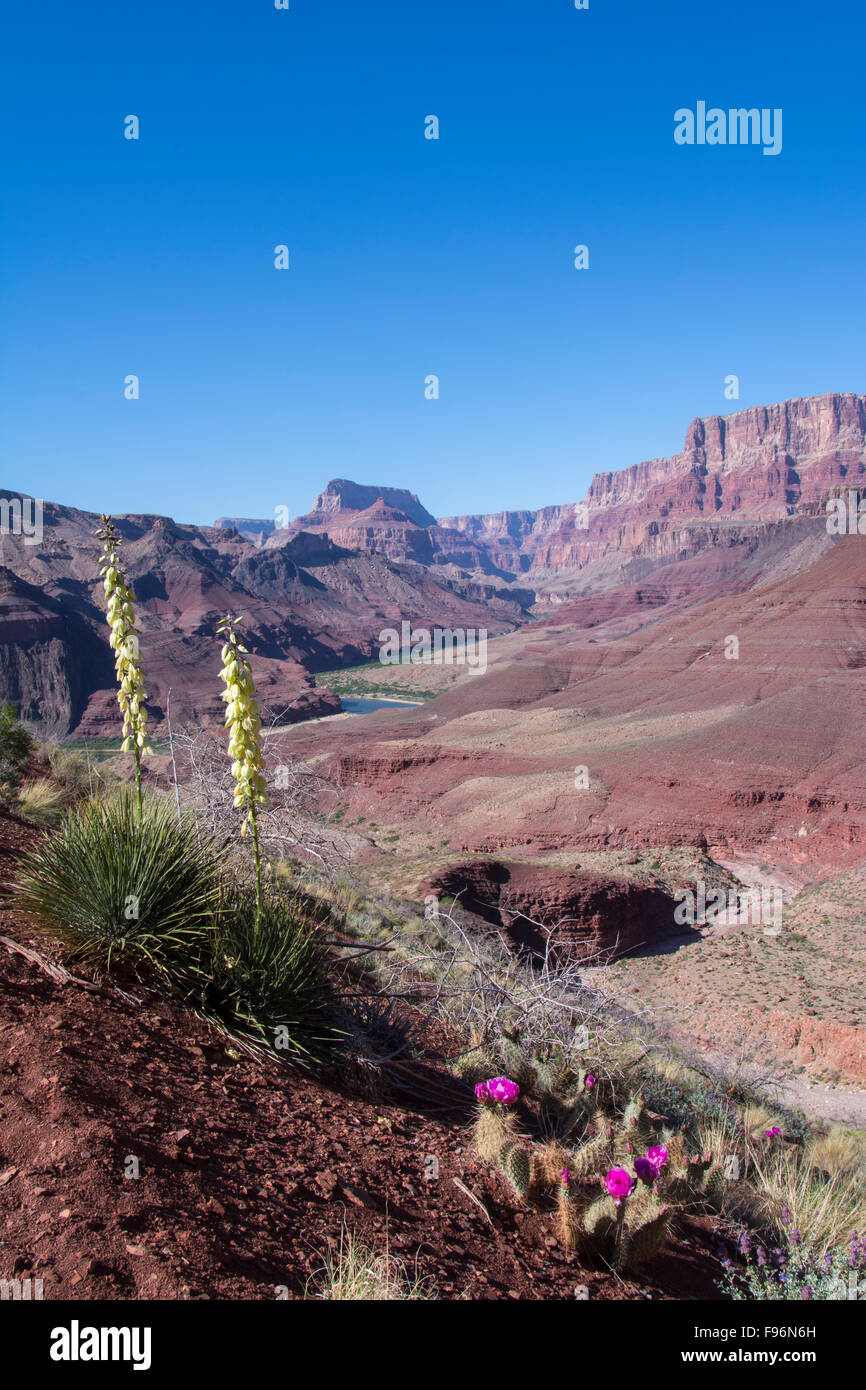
(515, 1062)
(475, 1065)
(572, 1201)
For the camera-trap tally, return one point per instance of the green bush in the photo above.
(15, 746)
(119, 893)
(267, 983)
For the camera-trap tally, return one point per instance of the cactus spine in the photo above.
(493, 1128)
(515, 1162)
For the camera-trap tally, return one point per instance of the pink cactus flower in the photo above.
(658, 1155)
(502, 1090)
(589, 1082)
(619, 1184)
(771, 1133)
(481, 1092)
(566, 1177)
(646, 1170)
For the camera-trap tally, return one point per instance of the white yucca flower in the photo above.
(123, 636)
(245, 736)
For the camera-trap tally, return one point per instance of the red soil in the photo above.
(248, 1173)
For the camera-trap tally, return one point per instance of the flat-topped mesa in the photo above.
(341, 495)
(386, 523)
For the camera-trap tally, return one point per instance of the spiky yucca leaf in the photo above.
(116, 891)
(267, 977)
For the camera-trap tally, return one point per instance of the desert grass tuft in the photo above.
(358, 1274)
(43, 801)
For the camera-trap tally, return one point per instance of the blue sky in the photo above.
(411, 257)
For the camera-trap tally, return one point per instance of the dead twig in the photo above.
(471, 1195)
(57, 973)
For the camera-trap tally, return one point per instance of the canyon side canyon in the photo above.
(673, 688)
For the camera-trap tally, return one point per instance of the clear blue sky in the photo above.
(408, 256)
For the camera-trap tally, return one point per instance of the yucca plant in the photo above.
(124, 643)
(121, 888)
(267, 974)
(245, 742)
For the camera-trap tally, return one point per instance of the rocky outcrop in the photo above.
(584, 914)
(45, 652)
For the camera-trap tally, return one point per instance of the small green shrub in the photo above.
(15, 746)
(797, 1270)
(119, 893)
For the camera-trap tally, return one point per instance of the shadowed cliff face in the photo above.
(48, 656)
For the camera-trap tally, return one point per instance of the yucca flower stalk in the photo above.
(120, 601)
(245, 742)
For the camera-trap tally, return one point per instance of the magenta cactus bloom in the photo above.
(566, 1177)
(619, 1184)
(502, 1090)
(771, 1133)
(481, 1092)
(646, 1170)
(658, 1155)
(589, 1082)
